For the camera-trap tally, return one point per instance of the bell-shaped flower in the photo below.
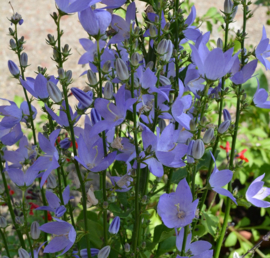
(85, 98)
(73, 6)
(95, 22)
(256, 192)
(23, 154)
(214, 64)
(121, 26)
(193, 81)
(245, 73)
(62, 118)
(55, 203)
(13, 68)
(199, 247)
(180, 106)
(92, 156)
(64, 236)
(48, 161)
(10, 136)
(113, 114)
(218, 179)
(177, 209)
(260, 98)
(262, 51)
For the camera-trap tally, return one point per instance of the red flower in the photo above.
(34, 206)
(227, 148)
(241, 156)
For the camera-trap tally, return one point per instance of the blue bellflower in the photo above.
(262, 51)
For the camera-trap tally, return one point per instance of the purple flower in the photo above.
(213, 65)
(177, 209)
(262, 50)
(195, 248)
(73, 6)
(257, 192)
(260, 97)
(95, 22)
(84, 254)
(85, 98)
(191, 32)
(115, 225)
(64, 236)
(55, 204)
(245, 73)
(10, 136)
(25, 111)
(218, 179)
(92, 156)
(13, 68)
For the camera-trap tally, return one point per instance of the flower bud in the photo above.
(208, 136)
(150, 65)
(220, 43)
(15, 18)
(68, 75)
(56, 54)
(104, 252)
(35, 231)
(24, 59)
(105, 205)
(121, 69)
(13, 68)
(226, 115)
(60, 211)
(3, 222)
(95, 116)
(91, 196)
(192, 125)
(11, 31)
(23, 253)
(91, 76)
(12, 44)
(115, 225)
(190, 159)
(61, 73)
(84, 98)
(235, 8)
(51, 181)
(164, 80)
(65, 144)
(137, 31)
(228, 6)
(152, 31)
(167, 26)
(165, 49)
(161, 124)
(144, 199)
(54, 92)
(65, 50)
(135, 59)
(19, 220)
(224, 126)
(127, 247)
(198, 149)
(51, 39)
(108, 90)
(106, 67)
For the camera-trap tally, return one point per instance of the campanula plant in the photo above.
(155, 112)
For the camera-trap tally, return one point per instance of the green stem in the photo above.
(10, 208)
(184, 240)
(5, 242)
(234, 138)
(103, 173)
(25, 223)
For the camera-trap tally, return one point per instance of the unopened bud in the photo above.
(164, 80)
(95, 116)
(51, 39)
(23, 253)
(35, 231)
(85, 98)
(235, 8)
(152, 31)
(19, 220)
(167, 26)
(61, 73)
(24, 59)
(13, 68)
(208, 136)
(65, 50)
(135, 59)
(115, 225)
(198, 149)
(127, 247)
(12, 44)
(3, 222)
(108, 90)
(165, 49)
(91, 196)
(51, 181)
(226, 115)
(192, 125)
(56, 54)
(161, 124)
(228, 6)
(104, 252)
(11, 32)
(137, 31)
(106, 67)
(105, 205)
(144, 199)
(91, 76)
(68, 75)
(150, 65)
(190, 159)
(121, 69)
(220, 43)
(224, 126)
(54, 92)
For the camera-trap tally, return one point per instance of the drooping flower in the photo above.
(260, 97)
(64, 236)
(256, 192)
(218, 179)
(198, 248)
(262, 50)
(177, 209)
